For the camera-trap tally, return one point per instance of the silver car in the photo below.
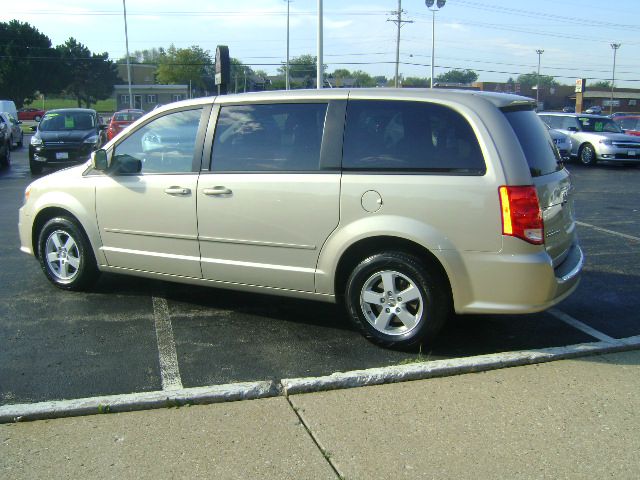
(405, 205)
(595, 138)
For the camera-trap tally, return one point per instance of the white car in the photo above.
(16, 137)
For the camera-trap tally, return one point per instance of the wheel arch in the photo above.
(47, 214)
(366, 247)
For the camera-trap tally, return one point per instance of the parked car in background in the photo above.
(16, 136)
(402, 205)
(630, 124)
(64, 136)
(594, 138)
(594, 110)
(5, 142)
(30, 114)
(8, 106)
(618, 114)
(562, 143)
(121, 119)
(568, 109)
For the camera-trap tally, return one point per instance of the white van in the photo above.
(9, 107)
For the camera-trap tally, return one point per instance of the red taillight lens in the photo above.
(521, 214)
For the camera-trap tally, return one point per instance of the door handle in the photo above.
(218, 190)
(177, 191)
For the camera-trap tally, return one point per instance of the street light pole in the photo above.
(615, 47)
(288, 86)
(439, 5)
(319, 67)
(539, 52)
(126, 41)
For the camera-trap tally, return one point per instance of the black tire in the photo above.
(587, 155)
(36, 168)
(426, 313)
(37, 118)
(73, 266)
(21, 142)
(5, 161)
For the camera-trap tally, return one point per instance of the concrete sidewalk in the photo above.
(565, 419)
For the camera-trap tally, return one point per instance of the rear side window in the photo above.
(409, 136)
(272, 137)
(542, 156)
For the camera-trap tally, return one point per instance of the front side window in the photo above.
(409, 136)
(165, 145)
(274, 137)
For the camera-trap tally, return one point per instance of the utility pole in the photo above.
(539, 52)
(615, 47)
(399, 22)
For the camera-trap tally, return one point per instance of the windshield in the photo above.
(598, 125)
(64, 121)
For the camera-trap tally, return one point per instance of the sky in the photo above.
(496, 38)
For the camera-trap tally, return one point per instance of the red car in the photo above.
(629, 123)
(122, 119)
(30, 114)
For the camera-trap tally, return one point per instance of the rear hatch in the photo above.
(551, 180)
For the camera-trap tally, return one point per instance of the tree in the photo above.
(186, 66)
(148, 56)
(89, 76)
(29, 63)
(302, 71)
(528, 80)
(457, 76)
(416, 82)
(601, 84)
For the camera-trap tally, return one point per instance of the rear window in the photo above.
(402, 136)
(541, 154)
(127, 117)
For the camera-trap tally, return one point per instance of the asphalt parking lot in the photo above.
(134, 335)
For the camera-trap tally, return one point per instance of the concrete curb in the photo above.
(456, 366)
(138, 401)
(295, 386)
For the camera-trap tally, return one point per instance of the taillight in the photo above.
(521, 214)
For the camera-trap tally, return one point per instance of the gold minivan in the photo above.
(405, 205)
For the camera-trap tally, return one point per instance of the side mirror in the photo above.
(99, 160)
(34, 128)
(123, 164)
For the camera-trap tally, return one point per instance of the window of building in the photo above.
(124, 99)
(409, 136)
(177, 97)
(165, 145)
(632, 103)
(152, 98)
(275, 137)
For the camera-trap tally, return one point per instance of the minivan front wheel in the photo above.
(394, 301)
(65, 255)
(588, 155)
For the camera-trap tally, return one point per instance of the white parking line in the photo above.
(169, 371)
(581, 326)
(618, 234)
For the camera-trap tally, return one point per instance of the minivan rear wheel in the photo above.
(65, 255)
(395, 301)
(588, 155)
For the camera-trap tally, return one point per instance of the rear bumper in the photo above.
(516, 283)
